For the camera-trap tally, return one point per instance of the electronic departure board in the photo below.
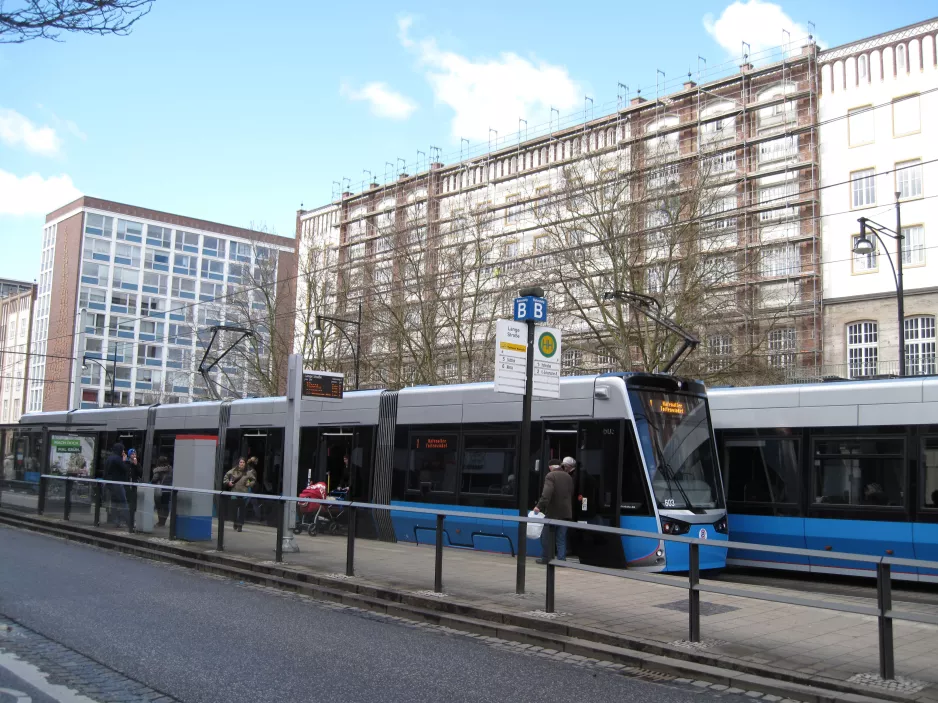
(319, 384)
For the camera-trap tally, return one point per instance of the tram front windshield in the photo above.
(676, 440)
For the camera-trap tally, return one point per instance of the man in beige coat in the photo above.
(556, 502)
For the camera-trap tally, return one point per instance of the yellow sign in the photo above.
(508, 346)
(547, 344)
(672, 407)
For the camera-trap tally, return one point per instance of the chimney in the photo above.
(689, 84)
(435, 165)
(373, 185)
(638, 100)
(745, 68)
(403, 176)
(347, 194)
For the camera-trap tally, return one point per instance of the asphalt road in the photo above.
(198, 638)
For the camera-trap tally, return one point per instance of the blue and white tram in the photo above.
(644, 442)
(847, 467)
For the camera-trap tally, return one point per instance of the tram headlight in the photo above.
(721, 526)
(674, 527)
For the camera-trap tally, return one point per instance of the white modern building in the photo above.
(879, 153)
(152, 284)
(16, 311)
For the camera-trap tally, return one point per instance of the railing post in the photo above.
(41, 508)
(281, 516)
(174, 495)
(887, 664)
(98, 489)
(67, 510)
(549, 558)
(438, 564)
(350, 546)
(220, 543)
(693, 580)
(132, 518)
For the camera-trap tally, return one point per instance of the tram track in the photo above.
(857, 587)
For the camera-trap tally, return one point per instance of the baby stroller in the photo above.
(320, 517)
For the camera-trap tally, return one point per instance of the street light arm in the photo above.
(651, 309)
(878, 228)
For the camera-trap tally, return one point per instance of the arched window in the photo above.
(920, 345)
(901, 63)
(863, 70)
(862, 349)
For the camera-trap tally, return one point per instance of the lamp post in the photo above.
(86, 359)
(356, 345)
(865, 246)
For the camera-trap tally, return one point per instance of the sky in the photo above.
(240, 112)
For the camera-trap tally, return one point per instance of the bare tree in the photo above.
(668, 230)
(23, 20)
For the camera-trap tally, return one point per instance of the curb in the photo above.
(572, 639)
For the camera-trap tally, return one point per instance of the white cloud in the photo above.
(68, 125)
(384, 102)
(758, 23)
(491, 92)
(33, 194)
(16, 131)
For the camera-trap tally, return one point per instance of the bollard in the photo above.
(282, 516)
(693, 580)
(41, 508)
(172, 513)
(67, 510)
(350, 546)
(438, 565)
(887, 663)
(220, 543)
(97, 504)
(551, 575)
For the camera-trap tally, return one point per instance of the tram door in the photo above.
(335, 467)
(561, 439)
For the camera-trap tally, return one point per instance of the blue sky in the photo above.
(238, 112)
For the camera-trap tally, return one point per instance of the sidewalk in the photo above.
(823, 644)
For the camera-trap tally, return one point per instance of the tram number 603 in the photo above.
(669, 502)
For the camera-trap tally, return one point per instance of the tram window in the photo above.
(853, 471)
(489, 464)
(433, 462)
(930, 483)
(762, 470)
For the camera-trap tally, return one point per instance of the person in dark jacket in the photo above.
(115, 469)
(556, 502)
(163, 476)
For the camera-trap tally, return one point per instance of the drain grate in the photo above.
(896, 685)
(705, 608)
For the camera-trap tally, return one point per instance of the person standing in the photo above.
(239, 480)
(115, 469)
(556, 502)
(163, 477)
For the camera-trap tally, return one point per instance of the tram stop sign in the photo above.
(530, 308)
(510, 351)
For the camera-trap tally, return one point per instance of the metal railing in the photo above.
(883, 610)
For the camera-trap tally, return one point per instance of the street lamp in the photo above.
(356, 345)
(86, 359)
(865, 246)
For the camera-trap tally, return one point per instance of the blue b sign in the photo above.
(530, 308)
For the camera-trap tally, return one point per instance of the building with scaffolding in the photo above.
(879, 155)
(704, 197)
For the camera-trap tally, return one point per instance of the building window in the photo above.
(126, 278)
(123, 302)
(913, 245)
(99, 225)
(154, 307)
(909, 179)
(184, 264)
(213, 269)
(780, 260)
(865, 262)
(127, 255)
(96, 250)
(130, 231)
(906, 116)
(782, 346)
(183, 288)
(863, 68)
(155, 283)
(187, 241)
(719, 351)
(213, 246)
(863, 187)
(860, 125)
(920, 345)
(239, 251)
(159, 236)
(156, 260)
(774, 196)
(901, 62)
(862, 349)
(512, 211)
(571, 361)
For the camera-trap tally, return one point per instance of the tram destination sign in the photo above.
(323, 384)
(511, 346)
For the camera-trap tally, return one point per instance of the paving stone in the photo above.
(701, 684)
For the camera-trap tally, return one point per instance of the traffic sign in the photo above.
(510, 357)
(529, 308)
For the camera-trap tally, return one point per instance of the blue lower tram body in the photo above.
(501, 536)
(907, 540)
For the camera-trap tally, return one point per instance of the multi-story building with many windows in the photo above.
(704, 197)
(152, 286)
(879, 145)
(16, 313)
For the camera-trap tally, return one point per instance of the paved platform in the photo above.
(823, 644)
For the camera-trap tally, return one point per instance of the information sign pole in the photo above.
(526, 312)
(291, 453)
